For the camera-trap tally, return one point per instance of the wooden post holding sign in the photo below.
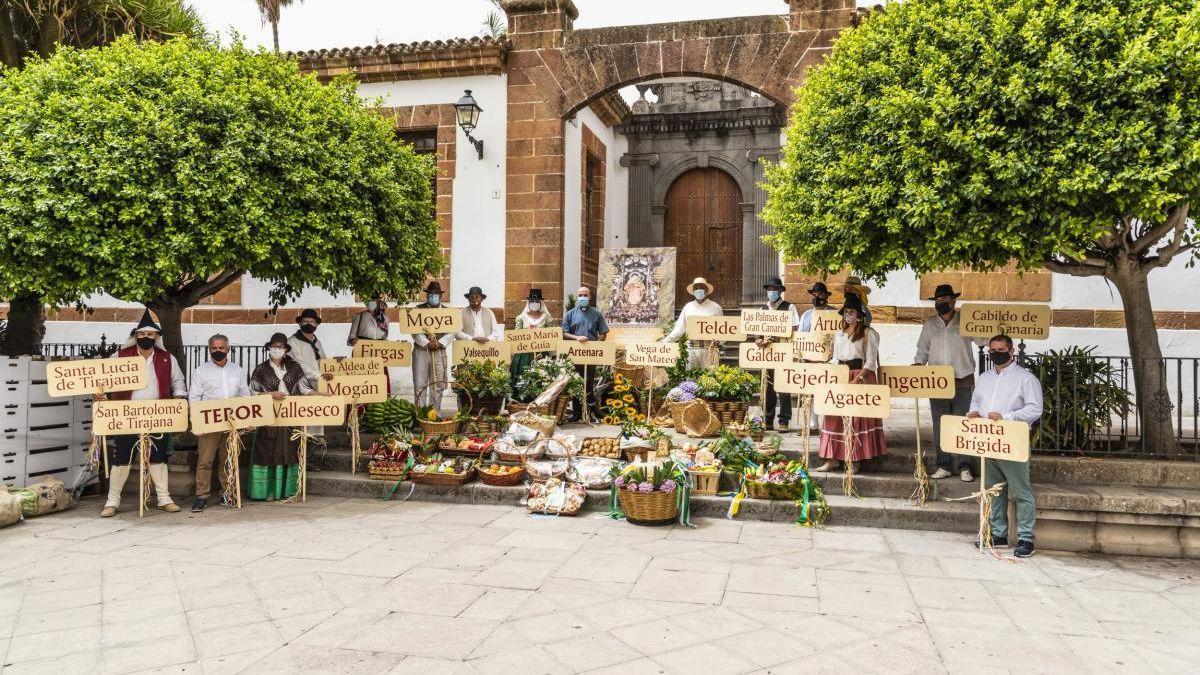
(304, 411)
(1018, 321)
(463, 351)
(533, 340)
(94, 376)
(918, 382)
(430, 320)
(848, 401)
(986, 439)
(588, 354)
(651, 355)
(232, 414)
(767, 322)
(393, 353)
(360, 380)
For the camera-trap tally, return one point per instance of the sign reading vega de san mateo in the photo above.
(919, 381)
(589, 353)
(719, 328)
(768, 357)
(394, 353)
(242, 412)
(1018, 321)
(74, 378)
(768, 322)
(810, 378)
(855, 400)
(360, 380)
(661, 354)
(156, 416)
(300, 411)
(532, 340)
(981, 437)
(470, 350)
(430, 320)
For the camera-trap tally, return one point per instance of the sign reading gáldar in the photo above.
(155, 416)
(532, 340)
(1018, 321)
(767, 322)
(718, 328)
(810, 378)
(469, 350)
(73, 378)
(769, 356)
(430, 320)
(854, 400)
(919, 381)
(981, 437)
(242, 412)
(589, 353)
(661, 354)
(360, 380)
(300, 411)
(393, 353)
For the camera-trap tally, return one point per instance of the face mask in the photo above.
(819, 302)
(434, 299)
(773, 296)
(217, 356)
(699, 294)
(146, 342)
(535, 306)
(851, 320)
(942, 307)
(308, 328)
(999, 358)
(276, 353)
(372, 305)
(582, 303)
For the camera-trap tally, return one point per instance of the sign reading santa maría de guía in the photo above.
(532, 340)
(588, 353)
(826, 321)
(982, 437)
(75, 378)
(1018, 321)
(810, 378)
(813, 346)
(156, 416)
(360, 380)
(768, 357)
(394, 353)
(716, 328)
(660, 354)
(300, 411)
(919, 381)
(855, 400)
(470, 350)
(767, 322)
(430, 320)
(241, 412)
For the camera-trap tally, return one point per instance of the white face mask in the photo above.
(276, 353)
(699, 294)
(372, 305)
(535, 306)
(434, 299)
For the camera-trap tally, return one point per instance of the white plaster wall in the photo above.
(1174, 287)
(572, 201)
(616, 196)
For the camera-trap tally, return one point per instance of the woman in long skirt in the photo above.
(857, 346)
(275, 462)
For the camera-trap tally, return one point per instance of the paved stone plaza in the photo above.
(356, 585)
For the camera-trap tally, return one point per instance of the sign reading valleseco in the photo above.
(810, 378)
(919, 381)
(300, 411)
(155, 416)
(470, 350)
(768, 322)
(813, 346)
(718, 328)
(661, 354)
(360, 380)
(981, 437)
(73, 378)
(394, 353)
(430, 320)
(826, 321)
(242, 412)
(532, 340)
(768, 357)
(1018, 321)
(855, 400)
(588, 353)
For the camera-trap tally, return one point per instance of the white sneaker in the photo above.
(827, 466)
(966, 476)
(940, 474)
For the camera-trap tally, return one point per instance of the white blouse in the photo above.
(867, 349)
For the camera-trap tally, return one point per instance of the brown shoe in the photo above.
(108, 512)
(169, 507)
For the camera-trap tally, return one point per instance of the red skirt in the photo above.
(868, 435)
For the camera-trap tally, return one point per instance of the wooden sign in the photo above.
(981, 437)
(768, 357)
(855, 400)
(719, 328)
(360, 380)
(393, 353)
(826, 321)
(919, 381)
(589, 353)
(243, 412)
(157, 416)
(813, 346)
(1018, 321)
(661, 354)
(430, 320)
(810, 378)
(302, 411)
(469, 350)
(532, 340)
(768, 322)
(74, 378)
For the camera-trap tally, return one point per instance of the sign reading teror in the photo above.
(919, 381)
(810, 378)
(661, 354)
(73, 378)
(430, 320)
(393, 353)
(982, 437)
(768, 322)
(360, 380)
(241, 412)
(469, 350)
(158, 416)
(718, 328)
(768, 357)
(1018, 321)
(532, 340)
(588, 353)
(855, 400)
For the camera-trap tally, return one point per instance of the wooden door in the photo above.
(704, 224)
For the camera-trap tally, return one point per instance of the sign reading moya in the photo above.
(1018, 321)
(810, 378)
(767, 357)
(531, 340)
(394, 353)
(299, 411)
(430, 320)
(919, 381)
(982, 437)
(769, 322)
(157, 416)
(241, 412)
(470, 350)
(719, 328)
(855, 400)
(360, 380)
(72, 378)
(661, 354)
(588, 353)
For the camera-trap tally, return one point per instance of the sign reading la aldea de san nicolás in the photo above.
(90, 376)
(359, 380)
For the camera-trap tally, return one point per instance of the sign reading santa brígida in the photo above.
(983, 437)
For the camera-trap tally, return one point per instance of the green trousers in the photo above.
(1016, 477)
(278, 482)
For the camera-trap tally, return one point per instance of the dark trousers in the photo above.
(125, 446)
(785, 403)
(589, 388)
(959, 405)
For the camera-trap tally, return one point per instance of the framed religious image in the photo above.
(636, 292)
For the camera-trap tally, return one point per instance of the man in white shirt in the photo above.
(478, 322)
(941, 345)
(775, 290)
(307, 350)
(820, 303)
(212, 380)
(700, 352)
(1009, 392)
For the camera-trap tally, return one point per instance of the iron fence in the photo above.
(246, 356)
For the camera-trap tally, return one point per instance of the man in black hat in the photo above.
(941, 345)
(306, 348)
(429, 355)
(478, 322)
(775, 290)
(820, 302)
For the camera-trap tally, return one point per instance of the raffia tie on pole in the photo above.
(232, 497)
(848, 455)
(920, 475)
(301, 434)
(355, 437)
(145, 481)
(805, 412)
(97, 454)
(985, 495)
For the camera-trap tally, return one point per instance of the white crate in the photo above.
(14, 393)
(66, 474)
(38, 393)
(42, 415)
(37, 369)
(81, 432)
(81, 408)
(12, 467)
(60, 457)
(15, 369)
(13, 415)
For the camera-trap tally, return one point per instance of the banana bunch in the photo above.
(394, 414)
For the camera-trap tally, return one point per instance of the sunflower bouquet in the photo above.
(621, 403)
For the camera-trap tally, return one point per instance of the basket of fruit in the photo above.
(388, 457)
(501, 475)
(435, 470)
(432, 424)
(463, 444)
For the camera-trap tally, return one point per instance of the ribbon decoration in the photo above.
(848, 456)
(985, 497)
(232, 496)
(805, 414)
(408, 465)
(97, 453)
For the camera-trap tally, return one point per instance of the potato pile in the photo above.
(601, 447)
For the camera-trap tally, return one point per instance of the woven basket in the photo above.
(480, 405)
(483, 426)
(444, 427)
(757, 436)
(557, 409)
(761, 490)
(534, 420)
(649, 508)
(663, 449)
(445, 479)
(387, 472)
(511, 454)
(696, 419)
(730, 412)
(705, 482)
(506, 480)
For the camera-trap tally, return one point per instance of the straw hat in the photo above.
(700, 281)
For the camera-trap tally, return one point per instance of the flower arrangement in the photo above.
(683, 392)
(541, 373)
(644, 479)
(620, 404)
(483, 378)
(756, 425)
(734, 453)
(726, 383)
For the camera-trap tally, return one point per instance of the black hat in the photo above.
(944, 289)
(308, 314)
(535, 295)
(852, 302)
(278, 337)
(775, 282)
(475, 289)
(147, 322)
(433, 287)
(819, 287)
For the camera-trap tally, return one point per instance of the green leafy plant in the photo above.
(544, 370)
(483, 378)
(735, 453)
(680, 371)
(1080, 397)
(726, 383)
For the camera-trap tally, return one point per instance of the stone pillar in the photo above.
(821, 14)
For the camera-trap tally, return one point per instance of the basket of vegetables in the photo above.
(432, 424)
(501, 474)
(436, 470)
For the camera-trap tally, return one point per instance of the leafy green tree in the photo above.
(972, 133)
(162, 172)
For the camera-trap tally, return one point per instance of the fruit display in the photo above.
(435, 464)
(601, 447)
(460, 443)
(556, 497)
(500, 469)
(389, 456)
(393, 414)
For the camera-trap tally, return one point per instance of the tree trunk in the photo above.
(275, 34)
(1149, 372)
(170, 317)
(26, 325)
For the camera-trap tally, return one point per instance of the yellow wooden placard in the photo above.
(1023, 321)
(393, 353)
(430, 320)
(89, 376)
(919, 381)
(318, 411)
(470, 350)
(360, 380)
(813, 346)
(718, 328)
(153, 416)
(533, 340)
(768, 357)
(660, 354)
(981, 437)
(767, 322)
(589, 353)
(810, 378)
(826, 321)
(855, 400)
(242, 411)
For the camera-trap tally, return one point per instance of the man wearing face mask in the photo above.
(214, 379)
(584, 323)
(1006, 391)
(371, 324)
(701, 353)
(775, 289)
(478, 322)
(940, 344)
(306, 348)
(820, 302)
(165, 381)
(429, 355)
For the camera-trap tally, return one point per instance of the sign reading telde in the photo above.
(718, 328)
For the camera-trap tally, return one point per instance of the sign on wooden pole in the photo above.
(155, 416)
(360, 380)
(767, 322)
(393, 353)
(982, 437)
(1023, 321)
(588, 353)
(855, 400)
(90, 376)
(533, 340)
(810, 378)
(659, 354)
(305, 411)
(919, 381)
(716, 328)
(223, 414)
(768, 357)
(813, 346)
(430, 320)
(469, 350)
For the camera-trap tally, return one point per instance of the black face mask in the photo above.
(146, 342)
(942, 307)
(999, 358)
(217, 356)
(820, 302)
(308, 328)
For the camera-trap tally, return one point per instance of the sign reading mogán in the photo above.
(360, 380)
(73, 378)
